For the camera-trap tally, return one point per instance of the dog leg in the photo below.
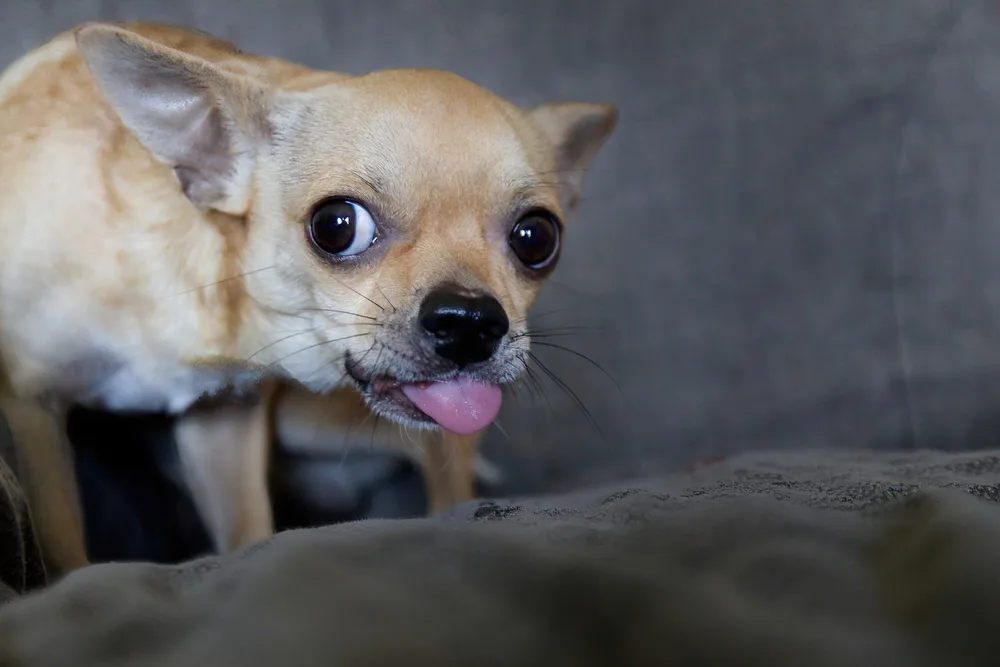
(48, 476)
(448, 463)
(225, 454)
(317, 425)
(309, 424)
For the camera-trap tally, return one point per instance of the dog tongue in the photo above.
(460, 406)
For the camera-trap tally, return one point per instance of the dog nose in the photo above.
(466, 329)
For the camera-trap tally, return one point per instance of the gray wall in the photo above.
(791, 241)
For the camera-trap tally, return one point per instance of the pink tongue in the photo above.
(460, 406)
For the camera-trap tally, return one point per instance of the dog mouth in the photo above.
(456, 403)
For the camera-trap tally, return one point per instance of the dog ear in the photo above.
(203, 122)
(577, 130)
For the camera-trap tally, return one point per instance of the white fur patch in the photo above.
(174, 392)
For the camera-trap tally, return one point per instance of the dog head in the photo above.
(397, 225)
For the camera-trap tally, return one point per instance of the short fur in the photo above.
(154, 187)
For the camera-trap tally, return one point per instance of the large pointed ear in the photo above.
(202, 121)
(577, 131)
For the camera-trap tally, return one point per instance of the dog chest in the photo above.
(108, 383)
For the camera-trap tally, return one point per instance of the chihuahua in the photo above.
(246, 242)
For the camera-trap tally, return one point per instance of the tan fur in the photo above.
(326, 425)
(121, 288)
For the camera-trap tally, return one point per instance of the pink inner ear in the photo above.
(174, 104)
(577, 131)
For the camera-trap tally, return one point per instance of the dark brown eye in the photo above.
(342, 227)
(535, 240)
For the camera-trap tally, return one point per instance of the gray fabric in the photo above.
(792, 237)
(812, 558)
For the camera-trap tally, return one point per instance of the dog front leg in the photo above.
(448, 463)
(225, 455)
(48, 476)
(309, 424)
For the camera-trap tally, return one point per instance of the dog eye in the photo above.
(535, 239)
(342, 227)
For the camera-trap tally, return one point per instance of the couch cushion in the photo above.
(769, 559)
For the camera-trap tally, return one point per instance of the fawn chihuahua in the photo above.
(188, 228)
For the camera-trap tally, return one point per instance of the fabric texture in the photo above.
(789, 559)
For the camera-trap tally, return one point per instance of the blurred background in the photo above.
(791, 240)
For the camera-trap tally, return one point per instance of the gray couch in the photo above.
(788, 249)
(791, 238)
(776, 560)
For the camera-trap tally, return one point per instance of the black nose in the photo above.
(466, 329)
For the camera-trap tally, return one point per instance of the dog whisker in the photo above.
(320, 344)
(323, 367)
(503, 432)
(545, 313)
(585, 358)
(226, 280)
(532, 334)
(271, 309)
(568, 391)
(280, 340)
(338, 312)
(310, 330)
(368, 351)
(382, 292)
(512, 389)
(346, 447)
(368, 299)
(415, 443)
(369, 414)
(535, 387)
(356, 324)
(378, 357)
(338, 360)
(541, 391)
(567, 327)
